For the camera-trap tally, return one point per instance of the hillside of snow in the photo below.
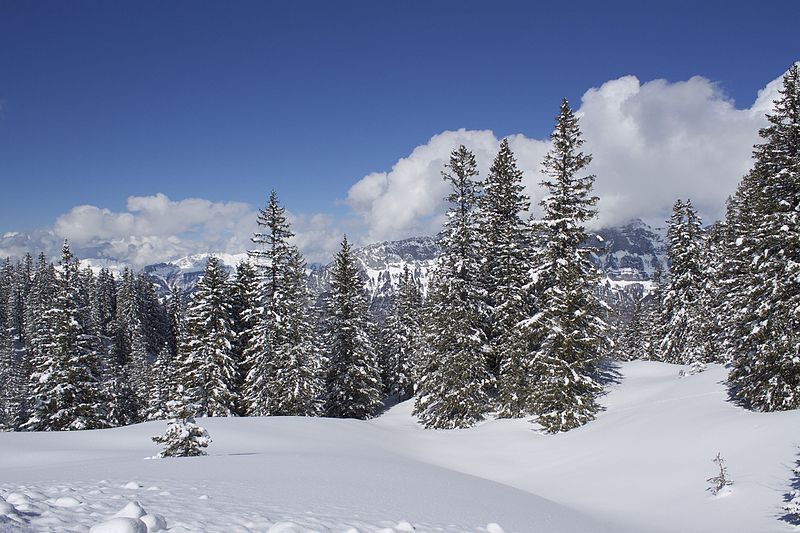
(641, 466)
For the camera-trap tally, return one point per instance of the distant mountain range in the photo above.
(627, 257)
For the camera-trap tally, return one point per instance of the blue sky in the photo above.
(225, 100)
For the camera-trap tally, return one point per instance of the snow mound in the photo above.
(7, 509)
(67, 501)
(131, 510)
(286, 527)
(120, 525)
(154, 522)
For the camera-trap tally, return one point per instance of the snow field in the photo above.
(641, 466)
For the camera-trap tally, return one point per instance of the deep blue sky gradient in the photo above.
(226, 100)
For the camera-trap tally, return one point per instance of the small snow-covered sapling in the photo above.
(183, 438)
(720, 481)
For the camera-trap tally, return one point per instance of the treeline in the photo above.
(511, 326)
(511, 322)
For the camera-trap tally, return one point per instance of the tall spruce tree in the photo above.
(680, 324)
(8, 385)
(353, 384)
(245, 312)
(163, 384)
(632, 340)
(207, 366)
(403, 331)
(66, 381)
(269, 259)
(296, 382)
(504, 245)
(454, 376)
(284, 374)
(567, 335)
(766, 221)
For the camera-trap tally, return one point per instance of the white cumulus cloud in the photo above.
(652, 143)
(155, 228)
(409, 199)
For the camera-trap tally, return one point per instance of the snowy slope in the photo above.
(641, 466)
(319, 474)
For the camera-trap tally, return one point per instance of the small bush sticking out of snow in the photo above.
(720, 481)
(696, 368)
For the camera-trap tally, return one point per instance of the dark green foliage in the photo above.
(403, 333)
(680, 325)
(566, 336)
(207, 367)
(764, 217)
(284, 374)
(66, 383)
(504, 243)
(453, 375)
(353, 385)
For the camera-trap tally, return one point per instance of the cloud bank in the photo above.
(652, 142)
(154, 229)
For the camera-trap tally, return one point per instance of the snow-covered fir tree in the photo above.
(8, 385)
(453, 375)
(104, 304)
(353, 383)
(137, 371)
(284, 374)
(632, 339)
(680, 325)
(39, 334)
(66, 386)
(504, 244)
(162, 386)
(403, 331)
(296, 382)
(567, 335)
(246, 312)
(269, 259)
(207, 367)
(183, 437)
(709, 334)
(766, 362)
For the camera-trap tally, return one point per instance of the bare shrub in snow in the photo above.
(720, 481)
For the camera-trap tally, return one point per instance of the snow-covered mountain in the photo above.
(183, 274)
(383, 264)
(627, 256)
(631, 252)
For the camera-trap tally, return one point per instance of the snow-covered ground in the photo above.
(641, 466)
